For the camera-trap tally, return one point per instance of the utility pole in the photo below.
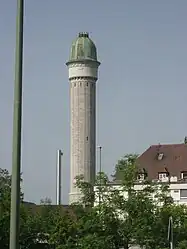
(59, 177)
(17, 123)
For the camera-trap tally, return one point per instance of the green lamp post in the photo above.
(17, 121)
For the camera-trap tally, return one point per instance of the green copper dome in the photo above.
(83, 48)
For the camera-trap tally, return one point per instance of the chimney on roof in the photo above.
(185, 140)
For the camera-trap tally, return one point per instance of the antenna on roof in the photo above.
(158, 147)
(165, 168)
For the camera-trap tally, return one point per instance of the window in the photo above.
(184, 175)
(74, 84)
(141, 177)
(176, 191)
(162, 176)
(183, 193)
(177, 158)
(87, 138)
(87, 84)
(160, 156)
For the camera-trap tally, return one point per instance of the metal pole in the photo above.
(171, 242)
(17, 122)
(100, 168)
(59, 177)
(170, 232)
(100, 149)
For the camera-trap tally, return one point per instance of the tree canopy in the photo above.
(126, 215)
(123, 163)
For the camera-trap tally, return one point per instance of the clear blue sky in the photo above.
(141, 91)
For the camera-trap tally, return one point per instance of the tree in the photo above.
(182, 245)
(5, 195)
(136, 207)
(30, 224)
(122, 164)
(87, 193)
(64, 231)
(178, 213)
(30, 227)
(129, 216)
(148, 209)
(97, 229)
(84, 226)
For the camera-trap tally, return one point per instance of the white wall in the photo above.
(175, 191)
(83, 70)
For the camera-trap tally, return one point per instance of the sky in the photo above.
(141, 91)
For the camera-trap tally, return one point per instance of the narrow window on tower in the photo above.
(87, 84)
(80, 84)
(87, 138)
(74, 84)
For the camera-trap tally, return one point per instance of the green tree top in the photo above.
(127, 161)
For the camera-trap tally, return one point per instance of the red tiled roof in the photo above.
(174, 160)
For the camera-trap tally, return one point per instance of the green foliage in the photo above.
(143, 215)
(32, 226)
(127, 161)
(86, 190)
(182, 245)
(5, 194)
(63, 233)
(125, 215)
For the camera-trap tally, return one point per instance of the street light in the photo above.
(59, 177)
(100, 150)
(17, 120)
(100, 168)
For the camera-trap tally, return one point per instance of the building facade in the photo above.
(163, 164)
(83, 74)
(178, 191)
(167, 163)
